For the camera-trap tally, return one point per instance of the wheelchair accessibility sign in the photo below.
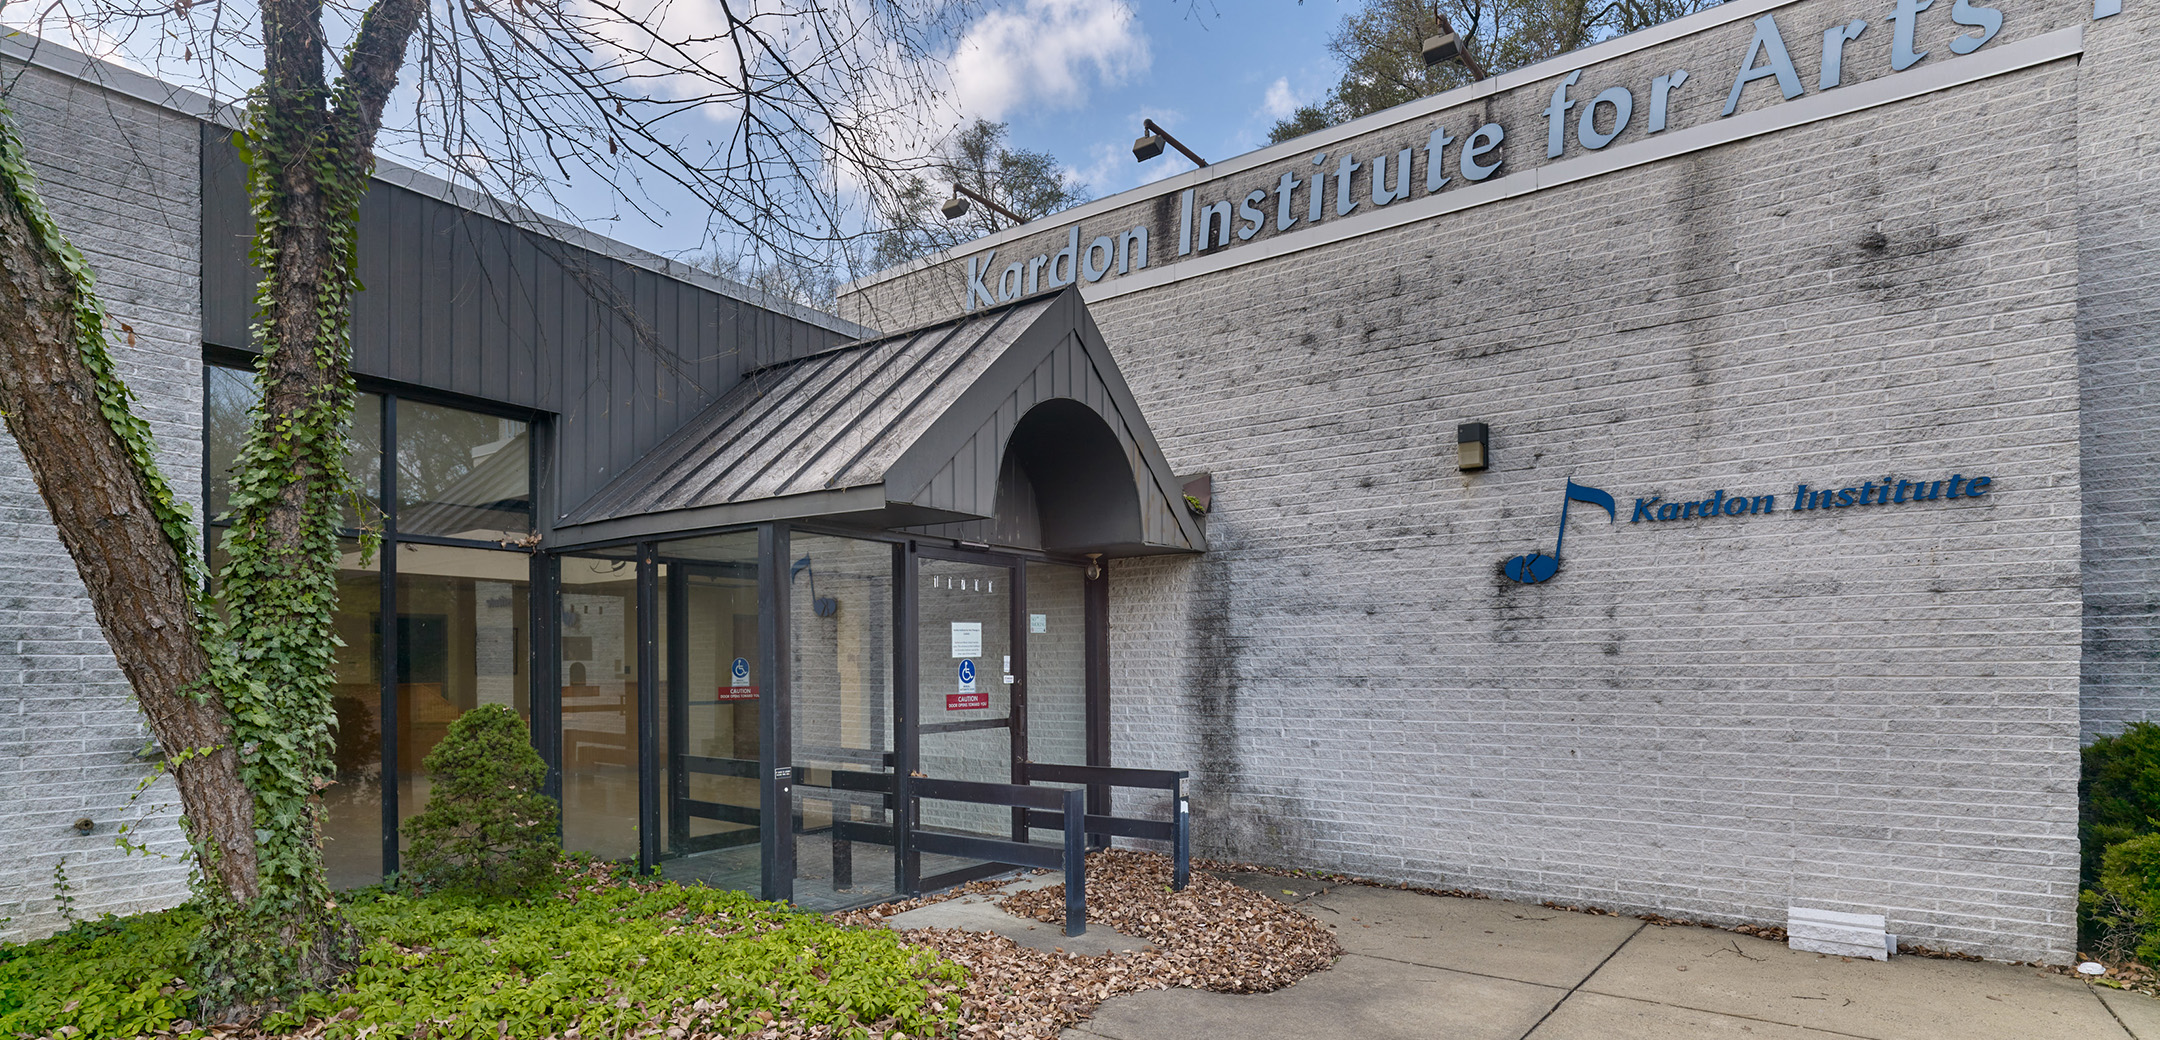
(967, 697)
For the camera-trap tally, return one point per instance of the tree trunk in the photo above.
(310, 152)
(102, 503)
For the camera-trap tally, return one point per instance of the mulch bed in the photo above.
(1214, 935)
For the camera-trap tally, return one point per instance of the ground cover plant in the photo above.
(2119, 830)
(599, 956)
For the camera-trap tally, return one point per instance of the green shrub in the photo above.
(115, 977)
(488, 827)
(2119, 838)
(2118, 793)
(2121, 910)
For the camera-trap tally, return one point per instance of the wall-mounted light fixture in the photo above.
(1150, 144)
(1473, 446)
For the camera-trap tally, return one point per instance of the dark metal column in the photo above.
(648, 703)
(776, 750)
(1096, 595)
(678, 702)
(388, 637)
(1017, 697)
(907, 740)
(545, 609)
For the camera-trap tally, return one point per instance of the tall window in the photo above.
(435, 624)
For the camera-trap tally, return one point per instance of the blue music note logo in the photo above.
(1537, 567)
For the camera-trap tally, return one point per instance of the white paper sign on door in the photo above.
(967, 639)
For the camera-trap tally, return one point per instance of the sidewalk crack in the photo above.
(2110, 1009)
(1580, 983)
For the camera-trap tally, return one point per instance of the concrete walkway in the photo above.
(1463, 969)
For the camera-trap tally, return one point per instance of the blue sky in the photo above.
(1074, 78)
(1216, 74)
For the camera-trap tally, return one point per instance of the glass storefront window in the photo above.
(352, 805)
(599, 632)
(229, 394)
(714, 696)
(462, 641)
(462, 474)
(840, 628)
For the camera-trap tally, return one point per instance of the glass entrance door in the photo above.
(841, 625)
(971, 700)
(711, 712)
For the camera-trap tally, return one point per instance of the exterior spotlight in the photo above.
(1473, 447)
(957, 206)
(1446, 46)
(1151, 144)
(1441, 48)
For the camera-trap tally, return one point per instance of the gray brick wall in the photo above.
(2119, 351)
(121, 177)
(1873, 710)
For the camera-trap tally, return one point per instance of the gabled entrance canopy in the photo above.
(1009, 425)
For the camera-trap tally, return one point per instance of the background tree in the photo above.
(780, 277)
(775, 118)
(1032, 184)
(1382, 47)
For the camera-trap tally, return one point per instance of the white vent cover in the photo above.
(1846, 935)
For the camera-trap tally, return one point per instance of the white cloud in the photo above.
(1281, 101)
(1047, 53)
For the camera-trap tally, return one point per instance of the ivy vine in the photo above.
(273, 650)
(281, 592)
(115, 401)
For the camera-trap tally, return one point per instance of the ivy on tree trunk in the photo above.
(242, 703)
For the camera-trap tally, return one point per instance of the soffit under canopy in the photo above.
(912, 429)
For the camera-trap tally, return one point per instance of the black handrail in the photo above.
(1177, 831)
(1070, 807)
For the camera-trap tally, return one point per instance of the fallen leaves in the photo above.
(1214, 935)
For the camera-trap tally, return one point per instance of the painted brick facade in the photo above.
(2118, 344)
(1874, 709)
(121, 177)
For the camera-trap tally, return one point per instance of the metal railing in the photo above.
(1177, 830)
(1048, 808)
(1068, 805)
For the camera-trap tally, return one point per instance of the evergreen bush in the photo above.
(2119, 835)
(488, 827)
